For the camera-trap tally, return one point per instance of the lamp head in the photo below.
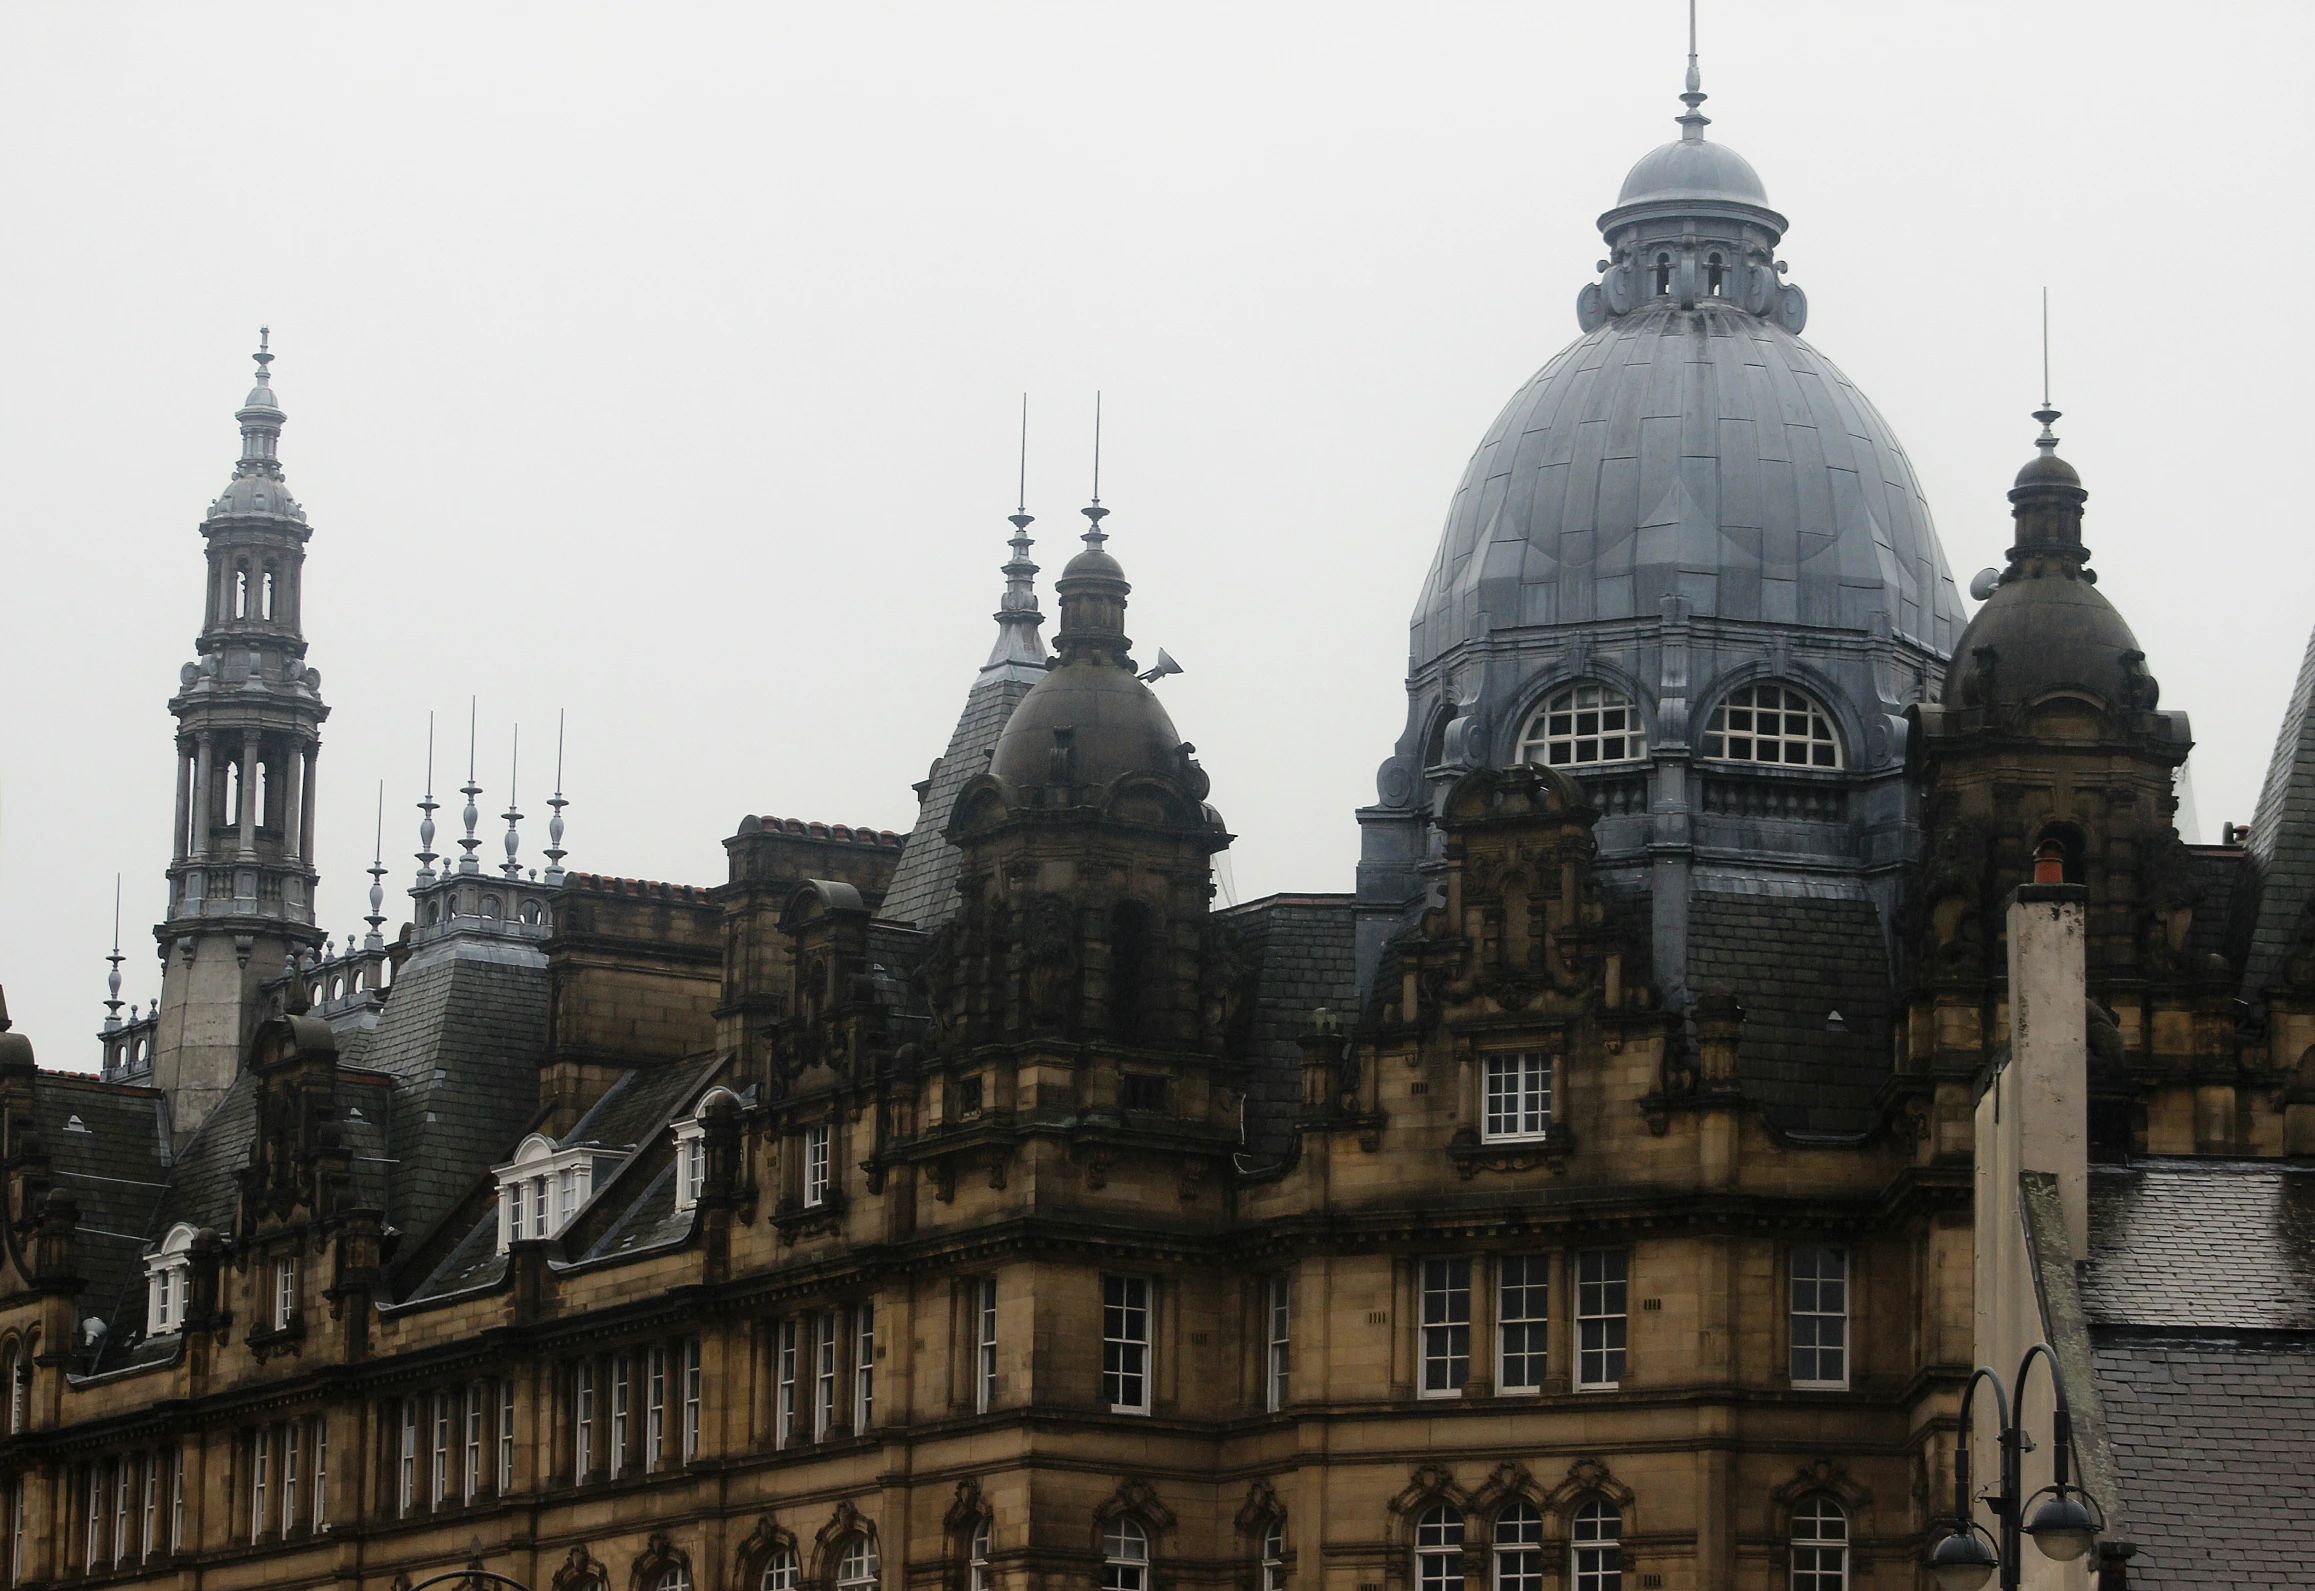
(2063, 1527)
(1963, 1561)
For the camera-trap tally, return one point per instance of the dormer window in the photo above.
(691, 1148)
(1589, 723)
(1772, 723)
(542, 1188)
(167, 1272)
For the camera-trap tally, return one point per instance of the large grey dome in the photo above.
(1705, 453)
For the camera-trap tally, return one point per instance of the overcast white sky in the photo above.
(662, 363)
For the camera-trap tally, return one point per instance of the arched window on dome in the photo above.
(1820, 1546)
(1663, 274)
(1713, 275)
(1589, 723)
(1772, 723)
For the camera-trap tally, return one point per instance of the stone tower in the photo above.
(249, 714)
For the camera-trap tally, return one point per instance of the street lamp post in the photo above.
(2064, 1527)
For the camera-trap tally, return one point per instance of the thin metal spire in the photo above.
(1094, 512)
(112, 1005)
(469, 844)
(377, 872)
(427, 810)
(1693, 123)
(1021, 504)
(510, 867)
(555, 851)
(2048, 440)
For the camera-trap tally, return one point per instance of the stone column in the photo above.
(293, 804)
(204, 792)
(184, 844)
(311, 757)
(249, 813)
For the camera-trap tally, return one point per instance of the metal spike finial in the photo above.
(472, 814)
(510, 867)
(1018, 641)
(427, 809)
(555, 851)
(1694, 121)
(1093, 511)
(264, 355)
(377, 872)
(2048, 440)
(112, 1005)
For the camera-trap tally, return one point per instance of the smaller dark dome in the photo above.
(1116, 726)
(1093, 563)
(2047, 634)
(2047, 469)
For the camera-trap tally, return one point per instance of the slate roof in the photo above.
(462, 1037)
(1305, 948)
(1792, 961)
(2200, 1292)
(113, 1163)
(2202, 1245)
(2210, 1444)
(923, 888)
(2282, 843)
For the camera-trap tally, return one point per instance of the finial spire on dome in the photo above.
(472, 814)
(377, 872)
(555, 851)
(2048, 440)
(112, 1005)
(426, 810)
(1018, 622)
(1093, 511)
(1692, 124)
(511, 867)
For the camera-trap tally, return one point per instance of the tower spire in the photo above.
(1018, 622)
(1693, 123)
(377, 872)
(511, 867)
(2048, 440)
(112, 1005)
(555, 851)
(426, 810)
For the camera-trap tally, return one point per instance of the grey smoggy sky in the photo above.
(663, 363)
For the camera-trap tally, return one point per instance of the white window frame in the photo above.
(1273, 1575)
(818, 1153)
(864, 1368)
(260, 1477)
(1595, 1548)
(824, 1330)
(1522, 1323)
(1439, 1536)
(984, 1344)
(691, 1398)
(505, 1435)
(438, 1486)
(977, 1576)
(1443, 1289)
(1589, 724)
(780, 1570)
(583, 1421)
(1278, 1360)
(167, 1271)
(284, 1292)
(1734, 733)
(622, 1395)
(1516, 1096)
(406, 1477)
(857, 1568)
(149, 1533)
(1128, 1309)
(1818, 1310)
(1820, 1557)
(470, 1473)
(1125, 1555)
(784, 1394)
(1603, 1298)
(655, 1408)
(321, 1475)
(542, 1188)
(290, 1458)
(1516, 1548)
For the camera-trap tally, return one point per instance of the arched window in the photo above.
(673, 1578)
(1125, 1556)
(166, 1275)
(1584, 724)
(490, 907)
(1439, 1549)
(529, 912)
(1772, 723)
(1595, 1548)
(1712, 275)
(270, 587)
(1820, 1546)
(241, 592)
(11, 1366)
(1274, 1556)
(1663, 274)
(779, 1571)
(856, 1567)
(433, 912)
(1518, 1548)
(977, 1556)
(232, 794)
